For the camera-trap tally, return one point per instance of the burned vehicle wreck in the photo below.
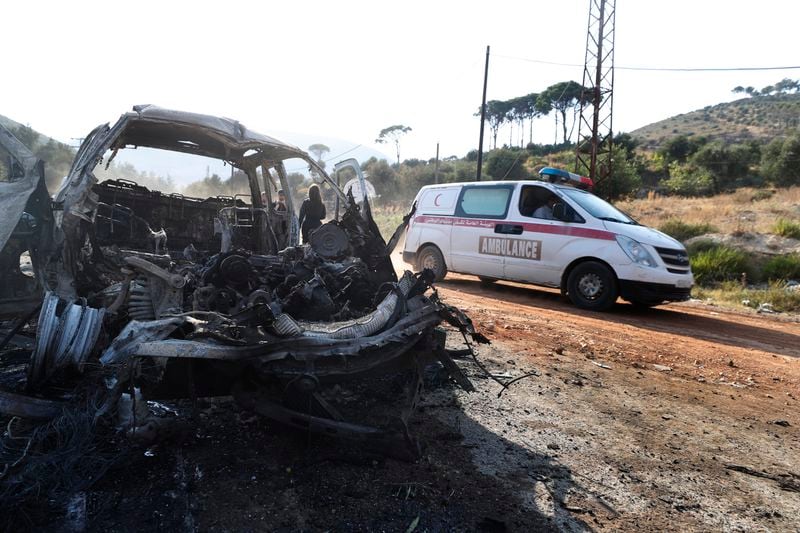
(143, 296)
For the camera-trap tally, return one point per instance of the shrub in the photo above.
(727, 163)
(786, 228)
(780, 161)
(683, 231)
(701, 245)
(506, 164)
(624, 179)
(734, 294)
(687, 180)
(782, 267)
(720, 263)
(762, 194)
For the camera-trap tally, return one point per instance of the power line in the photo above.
(343, 153)
(722, 69)
(331, 158)
(654, 69)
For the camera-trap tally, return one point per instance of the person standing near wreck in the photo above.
(312, 211)
(280, 204)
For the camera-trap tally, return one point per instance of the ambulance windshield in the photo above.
(595, 206)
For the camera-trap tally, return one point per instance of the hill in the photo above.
(56, 155)
(759, 118)
(15, 127)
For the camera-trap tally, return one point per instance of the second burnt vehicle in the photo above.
(172, 297)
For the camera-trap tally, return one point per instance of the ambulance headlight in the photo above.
(636, 251)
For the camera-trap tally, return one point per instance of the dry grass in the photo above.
(733, 295)
(737, 212)
(388, 217)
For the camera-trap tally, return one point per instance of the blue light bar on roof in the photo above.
(556, 175)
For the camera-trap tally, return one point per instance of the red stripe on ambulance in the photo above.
(571, 231)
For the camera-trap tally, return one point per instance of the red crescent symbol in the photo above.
(436, 200)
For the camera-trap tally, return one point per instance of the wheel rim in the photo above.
(428, 261)
(591, 286)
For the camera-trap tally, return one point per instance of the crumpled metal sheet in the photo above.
(302, 348)
(134, 334)
(14, 194)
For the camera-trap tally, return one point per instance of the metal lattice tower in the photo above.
(593, 156)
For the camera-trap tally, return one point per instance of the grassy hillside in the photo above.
(760, 118)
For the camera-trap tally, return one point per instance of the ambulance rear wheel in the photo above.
(592, 285)
(430, 257)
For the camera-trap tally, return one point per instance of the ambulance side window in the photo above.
(489, 201)
(538, 202)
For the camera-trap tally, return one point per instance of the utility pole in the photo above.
(436, 168)
(483, 115)
(595, 133)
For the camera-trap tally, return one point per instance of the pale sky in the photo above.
(347, 69)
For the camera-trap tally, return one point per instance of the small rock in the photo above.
(662, 368)
(731, 363)
(559, 350)
(553, 446)
(784, 423)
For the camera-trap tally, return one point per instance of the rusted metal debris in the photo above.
(172, 297)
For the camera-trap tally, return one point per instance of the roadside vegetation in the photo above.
(744, 245)
(683, 231)
(787, 228)
(772, 297)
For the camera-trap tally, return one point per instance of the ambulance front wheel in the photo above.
(430, 257)
(592, 285)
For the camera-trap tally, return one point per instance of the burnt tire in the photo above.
(592, 285)
(430, 257)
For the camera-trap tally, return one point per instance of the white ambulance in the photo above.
(549, 234)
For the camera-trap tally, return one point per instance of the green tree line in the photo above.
(562, 99)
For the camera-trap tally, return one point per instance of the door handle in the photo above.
(508, 229)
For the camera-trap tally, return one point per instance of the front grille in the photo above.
(677, 261)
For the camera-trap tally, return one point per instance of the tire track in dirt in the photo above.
(689, 322)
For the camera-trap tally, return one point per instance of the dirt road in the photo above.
(682, 417)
